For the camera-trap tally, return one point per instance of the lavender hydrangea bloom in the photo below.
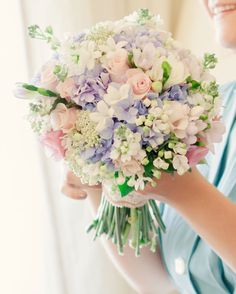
(125, 114)
(90, 87)
(99, 153)
(150, 135)
(143, 37)
(142, 109)
(176, 92)
(138, 38)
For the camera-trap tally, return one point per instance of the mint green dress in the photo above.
(191, 263)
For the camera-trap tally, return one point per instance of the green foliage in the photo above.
(124, 188)
(209, 61)
(41, 91)
(194, 84)
(166, 71)
(131, 60)
(212, 89)
(60, 71)
(47, 35)
(143, 16)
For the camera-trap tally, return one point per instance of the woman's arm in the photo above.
(145, 273)
(208, 211)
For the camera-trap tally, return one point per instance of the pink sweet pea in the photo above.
(65, 88)
(52, 141)
(139, 82)
(118, 65)
(48, 80)
(195, 154)
(63, 118)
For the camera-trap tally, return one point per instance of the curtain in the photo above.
(44, 247)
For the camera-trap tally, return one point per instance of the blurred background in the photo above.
(43, 244)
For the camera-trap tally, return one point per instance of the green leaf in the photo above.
(47, 93)
(166, 71)
(194, 84)
(41, 91)
(30, 87)
(199, 143)
(131, 60)
(125, 189)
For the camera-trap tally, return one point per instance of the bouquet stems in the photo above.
(136, 226)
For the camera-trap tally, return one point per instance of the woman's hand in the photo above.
(210, 213)
(73, 187)
(173, 187)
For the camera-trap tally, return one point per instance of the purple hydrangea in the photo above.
(90, 87)
(139, 38)
(102, 152)
(142, 109)
(176, 92)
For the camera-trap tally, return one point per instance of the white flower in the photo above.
(145, 58)
(160, 163)
(178, 117)
(156, 72)
(160, 126)
(178, 73)
(180, 163)
(109, 48)
(103, 117)
(88, 54)
(116, 95)
(139, 183)
(180, 148)
(194, 66)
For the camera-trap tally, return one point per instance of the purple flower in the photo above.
(90, 87)
(142, 109)
(95, 154)
(139, 38)
(176, 92)
(128, 115)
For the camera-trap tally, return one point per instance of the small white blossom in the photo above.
(180, 163)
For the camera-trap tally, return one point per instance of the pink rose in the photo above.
(139, 81)
(65, 88)
(118, 65)
(48, 80)
(63, 118)
(195, 154)
(52, 141)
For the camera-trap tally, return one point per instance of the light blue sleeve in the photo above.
(191, 263)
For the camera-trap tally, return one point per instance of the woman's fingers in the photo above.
(73, 192)
(74, 181)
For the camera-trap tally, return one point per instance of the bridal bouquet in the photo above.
(121, 103)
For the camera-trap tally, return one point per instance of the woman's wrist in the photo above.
(178, 191)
